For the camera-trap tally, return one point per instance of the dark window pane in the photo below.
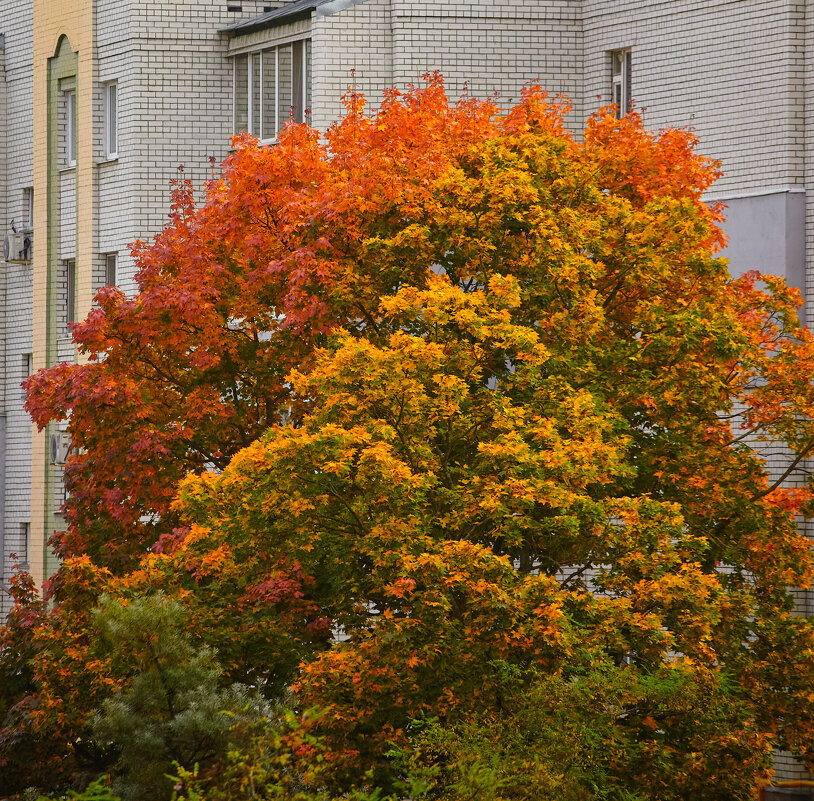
(241, 93)
(308, 98)
(284, 86)
(269, 94)
(254, 122)
(297, 76)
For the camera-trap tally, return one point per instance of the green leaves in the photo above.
(453, 418)
(169, 709)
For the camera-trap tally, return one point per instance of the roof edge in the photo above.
(291, 12)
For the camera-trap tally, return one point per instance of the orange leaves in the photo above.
(453, 610)
(647, 166)
(296, 239)
(789, 499)
(448, 397)
(401, 587)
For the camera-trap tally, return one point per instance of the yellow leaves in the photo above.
(504, 290)
(552, 619)
(689, 586)
(296, 505)
(451, 390)
(483, 315)
(381, 458)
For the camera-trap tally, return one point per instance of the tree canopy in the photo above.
(448, 434)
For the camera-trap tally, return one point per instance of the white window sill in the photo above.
(111, 159)
(261, 143)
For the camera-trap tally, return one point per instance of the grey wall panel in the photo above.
(767, 233)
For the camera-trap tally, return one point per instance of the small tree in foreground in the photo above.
(481, 399)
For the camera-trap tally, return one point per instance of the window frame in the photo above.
(28, 208)
(111, 120)
(70, 128)
(302, 71)
(25, 539)
(27, 369)
(70, 290)
(621, 80)
(111, 269)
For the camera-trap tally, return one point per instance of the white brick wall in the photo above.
(493, 47)
(732, 71)
(175, 107)
(16, 313)
(488, 48)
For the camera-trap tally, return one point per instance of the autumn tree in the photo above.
(475, 421)
(464, 512)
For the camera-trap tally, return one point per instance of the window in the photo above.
(70, 128)
(27, 370)
(25, 541)
(110, 269)
(70, 290)
(111, 120)
(620, 81)
(28, 208)
(272, 86)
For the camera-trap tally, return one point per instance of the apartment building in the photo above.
(101, 100)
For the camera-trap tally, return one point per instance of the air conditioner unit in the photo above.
(60, 447)
(18, 247)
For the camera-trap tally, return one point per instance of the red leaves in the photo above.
(460, 387)
(277, 587)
